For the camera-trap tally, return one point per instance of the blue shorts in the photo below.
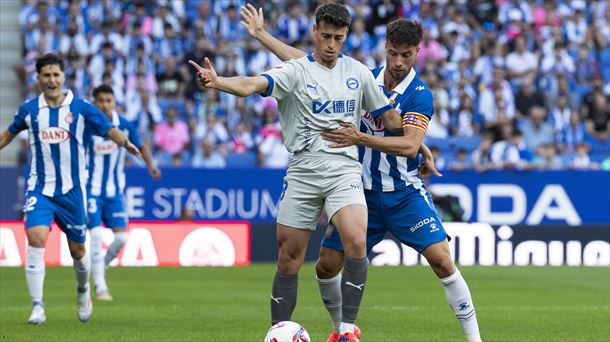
(408, 214)
(109, 210)
(68, 211)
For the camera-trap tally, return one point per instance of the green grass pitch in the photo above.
(232, 304)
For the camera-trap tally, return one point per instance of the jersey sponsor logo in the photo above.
(105, 147)
(352, 83)
(374, 124)
(333, 107)
(422, 223)
(54, 135)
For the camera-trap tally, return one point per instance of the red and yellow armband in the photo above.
(412, 119)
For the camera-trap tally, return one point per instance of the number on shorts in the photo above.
(29, 204)
(92, 205)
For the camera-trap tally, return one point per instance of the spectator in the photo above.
(208, 157)
(572, 134)
(582, 161)
(521, 63)
(294, 25)
(439, 161)
(527, 97)
(546, 158)
(481, 157)
(172, 135)
(598, 120)
(241, 139)
(170, 81)
(536, 130)
(461, 162)
(271, 150)
(107, 34)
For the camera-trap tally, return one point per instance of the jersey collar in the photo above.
(115, 119)
(67, 100)
(402, 86)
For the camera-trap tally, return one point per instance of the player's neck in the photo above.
(55, 101)
(108, 115)
(323, 63)
(389, 82)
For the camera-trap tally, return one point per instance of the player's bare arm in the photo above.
(238, 85)
(120, 139)
(5, 138)
(153, 170)
(254, 22)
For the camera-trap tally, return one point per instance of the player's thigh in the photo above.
(71, 215)
(346, 206)
(114, 214)
(38, 210)
(439, 257)
(95, 205)
(301, 202)
(411, 217)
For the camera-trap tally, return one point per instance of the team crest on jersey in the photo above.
(352, 83)
(69, 118)
(54, 135)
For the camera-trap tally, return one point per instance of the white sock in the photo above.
(346, 327)
(97, 260)
(460, 301)
(330, 292)
(34, 272)
(115, 247)
(82, 268)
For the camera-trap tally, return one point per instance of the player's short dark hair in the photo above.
(334, 14)
(49, 59)
(405, 31)
(102, 89)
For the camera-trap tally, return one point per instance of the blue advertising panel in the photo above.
(502, 197)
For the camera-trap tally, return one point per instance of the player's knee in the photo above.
(355, 248)
(326, 269)
(36, 241)
(120, 238)
(442, 266)
(288, 263)
(77, 251)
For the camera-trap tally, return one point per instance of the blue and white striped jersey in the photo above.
(107, 160)
(58, 137)
(413, 100)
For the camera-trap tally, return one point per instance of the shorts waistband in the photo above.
(323, 155)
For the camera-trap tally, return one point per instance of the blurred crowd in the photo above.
(516, 84)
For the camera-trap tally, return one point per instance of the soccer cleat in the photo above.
(334, 337)
(83, 304)
(348, 337)
(104, 296)
(37, 316)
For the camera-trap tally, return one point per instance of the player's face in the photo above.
(329, 41)
(105, 102)
(51, 80)
(400, 59)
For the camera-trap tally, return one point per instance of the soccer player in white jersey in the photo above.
(58, 125)
(388, 178)
(105, 201)
(318, 92)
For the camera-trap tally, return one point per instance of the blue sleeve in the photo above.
(269, 89)
(134, 137)
(95, 121)
(18, 123)
(422, 103)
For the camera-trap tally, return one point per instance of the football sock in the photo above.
(458, 296)
(352, 289)
(115, 247)
(97, 260)
(330, 292)
(283, 297)
(34, 272)
(82, 268)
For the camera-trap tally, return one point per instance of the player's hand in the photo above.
(428, 168)
(252, 20)
(131, 148)
(206, 76)
(345, 136)
(155, 173)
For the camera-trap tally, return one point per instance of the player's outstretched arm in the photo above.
(254, 22)
(239, 85)
(428, 167)
(5, 138)
(153, 170)
(121, 139)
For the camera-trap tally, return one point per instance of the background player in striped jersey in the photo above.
(105, 201)
(315, 93)
(396, 197)
(58, 125)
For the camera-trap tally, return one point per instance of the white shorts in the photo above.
(313, 183)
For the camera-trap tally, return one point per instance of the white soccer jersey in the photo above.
(313, 98)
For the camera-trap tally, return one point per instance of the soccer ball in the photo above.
(287, 331)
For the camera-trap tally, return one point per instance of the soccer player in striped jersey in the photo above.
(105, 202)
(59, 126)
(397, 199)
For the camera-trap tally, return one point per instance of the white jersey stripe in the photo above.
(80, 132)
(97, 172)
(47, 159)
(33, 178)
(121, 170)
(110, 186)
(65, 157)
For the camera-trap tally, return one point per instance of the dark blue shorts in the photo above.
(67, 210)
(409, 214)
(108, 210)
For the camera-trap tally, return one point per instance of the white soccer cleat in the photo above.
(84, 305)
(104, 296)
(37, 316)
